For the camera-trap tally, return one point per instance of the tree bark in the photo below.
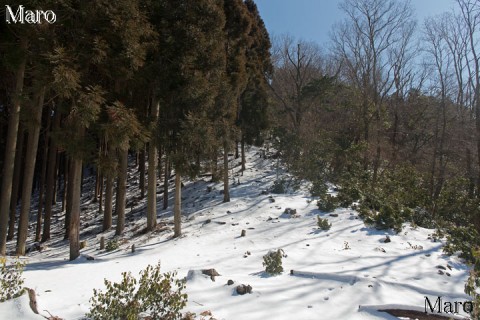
(214, 165)
(107, 213)
(177, 209)
(56, 184)
(30, 158)
(152, 168)
(121, 191)
(51, 175)
(226, 191)
(11, 145)
(152, 187)
(38, 230)
(69, 194)
(141, 169)
(165, 183)
(96, 191)
(244, 162)
(76, 182)
(100, 196)
(65, 167)
(16, 183)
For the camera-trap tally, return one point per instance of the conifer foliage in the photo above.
(165, 79)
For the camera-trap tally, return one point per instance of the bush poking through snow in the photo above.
(473, 284)
(272, 262)
(463, 239)
(11, 280)
(279, 186)
(112, 245)
(327, 203)
(154, 295)
(323, 223)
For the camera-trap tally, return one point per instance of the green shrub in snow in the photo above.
(112, 245)
(462, 239)
(272, 262)
(154, 295)
(323, 224)
(318, 188)
(327, 203)
(472, 285)
(279, 186)
(11, 280)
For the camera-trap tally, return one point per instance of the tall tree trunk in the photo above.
(177, 209)
(51, 173)
(96, 191)
(66, 171)
(244, 162)
(141, 169)
(68, 206)
(152, 168)
(121, 191)
(16, 183)
(30, 158)
(56, 184)
(100, 196)
(152, 187)
(237, 154)
(214, 165)
(226, 191)
(76, 181)
(159, 162)
(107, 213)
(43, 173)
(11, 145)
(165, 183)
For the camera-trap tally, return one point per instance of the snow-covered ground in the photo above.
(347, 272)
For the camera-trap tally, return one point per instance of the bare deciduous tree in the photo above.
(298, 64)
(371, 45)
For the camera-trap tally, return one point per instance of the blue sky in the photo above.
(312, 20)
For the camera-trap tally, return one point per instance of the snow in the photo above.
(346, 272)
(18, 308)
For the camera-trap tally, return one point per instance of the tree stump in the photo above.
(102, 243)
(33, 300)
(244, 233)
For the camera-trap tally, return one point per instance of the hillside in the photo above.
(347, 272)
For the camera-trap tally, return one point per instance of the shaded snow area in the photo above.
(347, 272)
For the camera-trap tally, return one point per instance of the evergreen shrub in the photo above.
(462, 239)
(272, 262)
(323, 224)
(11, 280)
(154, 295)
(472, 286)
(327, 203)
(112, 245)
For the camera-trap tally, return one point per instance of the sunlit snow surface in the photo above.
(329, 281)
